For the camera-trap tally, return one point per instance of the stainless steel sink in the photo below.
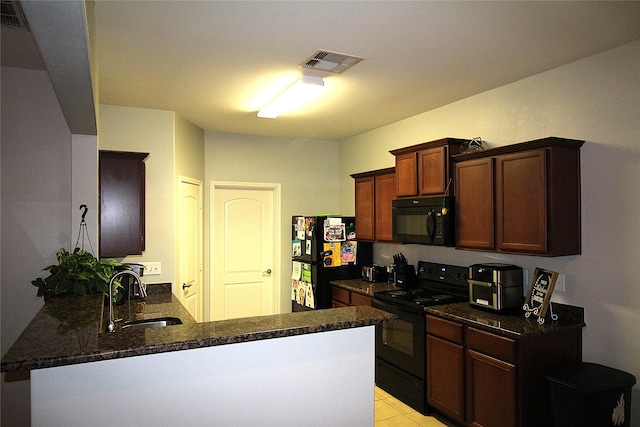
(159, 322)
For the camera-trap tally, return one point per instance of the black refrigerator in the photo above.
(324, 248)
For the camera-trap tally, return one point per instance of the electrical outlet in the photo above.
(152, 268)
(559, 286)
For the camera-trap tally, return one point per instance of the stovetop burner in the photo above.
(434, 299)
(442, 297)
(397, 293)
(417, 298)
(414, 292)
(438, 284)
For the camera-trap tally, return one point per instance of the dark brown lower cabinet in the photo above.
(445, 377)
(491, 387)
(481, 379)
(345, 298)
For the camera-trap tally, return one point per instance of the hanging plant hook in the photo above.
(82, 231)
(85, 211)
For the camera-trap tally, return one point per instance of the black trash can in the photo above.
(588, 394)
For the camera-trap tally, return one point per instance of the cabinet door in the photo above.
(521, 202)
(122, 219)
(385, 192)
(341, 296)
(491, 391)
(445, 377)
(359, 299)
(474, 204)
(406, 175)
(338, 304)
(365, 199)
(432, 167)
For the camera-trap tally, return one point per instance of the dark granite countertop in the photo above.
(516, 325)
(67, 330)
(361, 287)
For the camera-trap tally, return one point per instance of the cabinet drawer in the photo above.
(341, 295)
(490, 344)
(445, 329)
(359, 299)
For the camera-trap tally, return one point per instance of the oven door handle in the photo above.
(394, 309)
(483, 284)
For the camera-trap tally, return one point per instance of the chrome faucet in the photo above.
(143, 293)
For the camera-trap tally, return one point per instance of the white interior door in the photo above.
(190, 239)
(244, 250)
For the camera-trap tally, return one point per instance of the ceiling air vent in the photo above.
(325, 60)
(12, 15)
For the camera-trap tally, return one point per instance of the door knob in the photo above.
(267, 271)
(185, 286)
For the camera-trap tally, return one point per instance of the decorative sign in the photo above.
(539, 294)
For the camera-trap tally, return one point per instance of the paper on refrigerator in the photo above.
(334, 230)
(309, 298)
(331, 255)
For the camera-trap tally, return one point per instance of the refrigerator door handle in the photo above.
(267, 272)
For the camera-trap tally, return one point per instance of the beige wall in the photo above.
(307, 171)
(175, 148)
(189, 163)
(189, 149)
(36, 199)
(148, 131)
(596, 99)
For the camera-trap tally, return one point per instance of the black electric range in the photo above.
(437, 284)
(401, 358)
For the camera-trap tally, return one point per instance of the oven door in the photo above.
(402, 343)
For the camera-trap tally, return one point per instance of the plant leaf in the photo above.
(78, 273)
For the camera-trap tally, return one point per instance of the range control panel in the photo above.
(444, 273)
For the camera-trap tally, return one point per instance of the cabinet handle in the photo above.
(267, 271)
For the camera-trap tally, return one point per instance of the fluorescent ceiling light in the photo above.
(295, 96)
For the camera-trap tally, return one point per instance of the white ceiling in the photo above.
(211, 61)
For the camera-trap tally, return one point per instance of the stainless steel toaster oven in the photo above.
(496, 287)
(374, 273)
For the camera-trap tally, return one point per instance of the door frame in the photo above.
(177, 289)
(277, 231)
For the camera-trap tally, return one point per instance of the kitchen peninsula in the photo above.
(248, 371)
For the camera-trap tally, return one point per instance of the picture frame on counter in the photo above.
(538, 299)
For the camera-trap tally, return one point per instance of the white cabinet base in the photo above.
(315, 379)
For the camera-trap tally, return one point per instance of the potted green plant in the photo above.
(77, 273)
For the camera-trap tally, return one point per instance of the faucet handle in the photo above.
(143, 289)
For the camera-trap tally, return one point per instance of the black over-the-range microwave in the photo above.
(427, 221)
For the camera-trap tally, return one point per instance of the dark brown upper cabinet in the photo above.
(522, 198)
(122, 203)
(374, 192)
(425, 169)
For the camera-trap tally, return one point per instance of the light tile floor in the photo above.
(391, 412)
